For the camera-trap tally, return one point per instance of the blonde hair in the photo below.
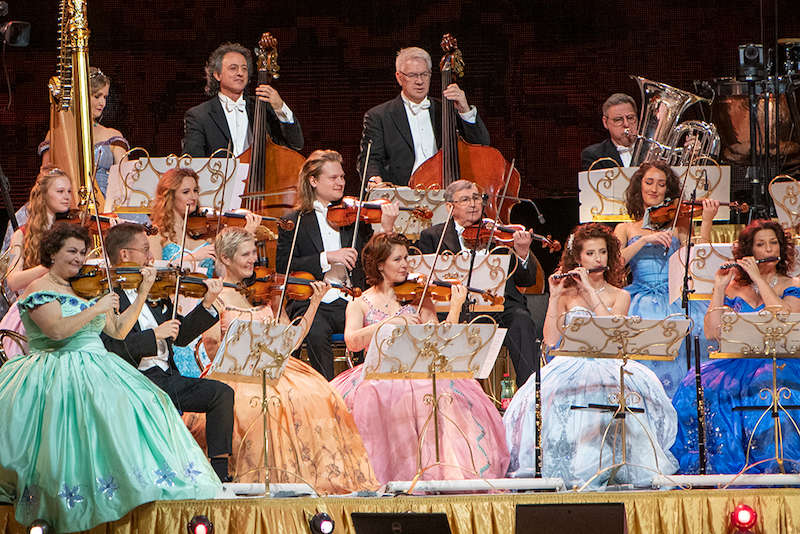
(163, 214)
(229, 239)
(38, 222)
(312, 167)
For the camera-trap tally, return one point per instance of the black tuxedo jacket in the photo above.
(523, 276)
(392, 153)
(206, 128)
(606, 149)
(142, 343)
(309, 246)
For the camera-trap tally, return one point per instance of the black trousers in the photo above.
(329, 320)
(201, 395)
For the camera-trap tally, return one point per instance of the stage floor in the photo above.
(648, 512)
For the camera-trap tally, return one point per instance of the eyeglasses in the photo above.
(619, 121)
(416, 75)
(468, 200)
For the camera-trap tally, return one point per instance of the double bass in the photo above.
(271, 187)
(457, 159)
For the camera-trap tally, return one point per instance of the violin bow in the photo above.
(106, 259)
(224, 184)
(180, 263)
(361, 193)
(288, 268)
(435, 258)
(500, 207)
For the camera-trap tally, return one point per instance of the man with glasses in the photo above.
(622, 122)
(407, 130)
(467, 204)
(148, 346)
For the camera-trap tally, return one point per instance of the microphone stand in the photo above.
(6, 188)
(468, 308)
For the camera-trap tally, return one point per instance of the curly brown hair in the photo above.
(571, 256)
(163, 214)
(744, 247)
(39, 216)
(55, 237)
(376, 252)
(633, 194)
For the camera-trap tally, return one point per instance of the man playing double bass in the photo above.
(228, 116)
(407, 130)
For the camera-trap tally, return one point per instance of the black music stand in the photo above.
(402, 523)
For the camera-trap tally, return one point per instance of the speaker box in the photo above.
(594, 518)
(400, 523)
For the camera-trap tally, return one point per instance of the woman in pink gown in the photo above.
(391, 414)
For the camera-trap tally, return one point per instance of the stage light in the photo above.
(40, 526)
(321, 523)
(743, 517)
(200, 525)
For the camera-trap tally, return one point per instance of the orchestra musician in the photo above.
(731, 383)
(476, 448)
(466, 202)
(148, 345)
(569, 449)
(622, 122)
(316, 440)
(647, 251)
(87, 438)
(227, 117)
(406, 130)
(325, 251)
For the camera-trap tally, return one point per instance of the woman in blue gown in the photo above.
(176, 189)
(647, 251)
(86, 437)
(732, 383)
(571, 439)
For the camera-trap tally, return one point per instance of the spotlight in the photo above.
(200, 525)
(743, 517)
(321, 523)
(40, 526)
(16, 33)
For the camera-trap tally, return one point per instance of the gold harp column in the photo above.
(79, 42)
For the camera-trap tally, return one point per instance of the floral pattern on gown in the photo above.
(727, 384)
(390, 415)
(92, 437)
(650, 300)
(571, 438)
(313, 438)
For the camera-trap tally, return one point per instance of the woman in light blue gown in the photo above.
(647, 251)
(736, 382)
(86, 437)
(571, 439)
(176, 189)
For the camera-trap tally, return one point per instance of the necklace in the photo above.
(772, 283)
(58, 280)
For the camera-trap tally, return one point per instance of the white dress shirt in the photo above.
(331, 240)
(419, 120)
(148, 321)
(625, 153)
(238, 123)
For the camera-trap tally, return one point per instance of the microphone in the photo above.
(538, 213)
(484, 199)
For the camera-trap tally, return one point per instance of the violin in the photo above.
(478, 235)
(344, 214)
(91, 280)
(265, 284)
(439, 290)
(204, 224)
(726, 266)
(663, 215)
(598, 269)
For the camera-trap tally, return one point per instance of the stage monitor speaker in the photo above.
(400, 523)
(593, 518)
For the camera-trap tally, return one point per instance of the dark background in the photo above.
(538, 71)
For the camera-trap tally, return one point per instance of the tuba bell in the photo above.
(660, 137)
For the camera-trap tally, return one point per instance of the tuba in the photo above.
(71, 147)
(660, 135)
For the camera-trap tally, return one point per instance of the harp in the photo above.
(71, 146)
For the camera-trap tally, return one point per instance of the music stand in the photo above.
(434, 351)
(254, 351)
(768, 333)
(407, 197)
(402, 523)
(623, 338)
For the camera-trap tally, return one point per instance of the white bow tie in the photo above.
(416, 108)
(239, 105)
(624, 149)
